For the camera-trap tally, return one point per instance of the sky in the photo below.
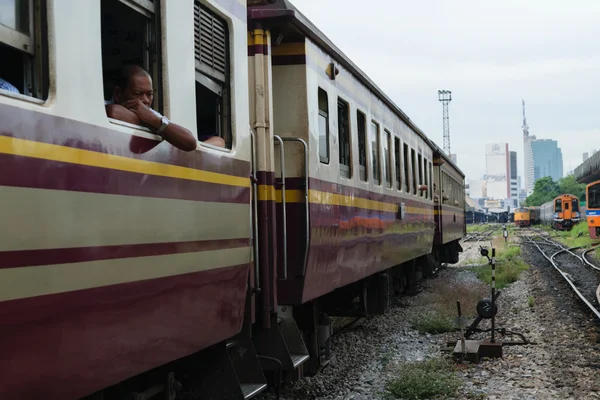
(490, 55)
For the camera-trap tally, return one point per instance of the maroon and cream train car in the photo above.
(449, 197)
(119, 253)
(346, 175)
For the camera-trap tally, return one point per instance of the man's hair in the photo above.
(127, 72)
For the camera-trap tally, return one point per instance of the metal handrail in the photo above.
(293, 139)
(282, 162)
(255, 204)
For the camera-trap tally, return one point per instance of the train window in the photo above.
(362, 144)
(420, 163)
(558, 206)
(323, 127)
(397, 163)
(344, 138)
(374, 136)
(575, 205)
(413, 159)
(406, 161)
(430, 180)
(566, 205)
(24, 48)
(387, 167)
(593, 196)
(130, 35)
(426, 180)
(211, 52)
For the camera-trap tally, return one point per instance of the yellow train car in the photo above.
(522, 217)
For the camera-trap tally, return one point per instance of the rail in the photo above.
(566, 278)
(255, 206)
(283, 203)
(306, 203)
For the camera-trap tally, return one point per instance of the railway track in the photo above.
(580, 273)
(476, 237)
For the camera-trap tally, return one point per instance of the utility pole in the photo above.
(445, 96)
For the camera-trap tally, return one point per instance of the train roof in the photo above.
(282, 11)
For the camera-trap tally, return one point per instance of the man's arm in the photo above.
(116, 111)
(175, 134)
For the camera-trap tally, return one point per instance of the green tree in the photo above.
(568, 185)
(545, 189)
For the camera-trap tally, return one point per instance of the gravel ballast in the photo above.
(564, 362)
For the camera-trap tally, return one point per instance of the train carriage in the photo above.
(133, 266)
(522, 217)
(561, 213)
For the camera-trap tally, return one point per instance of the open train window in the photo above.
(397, 163)
(406, 164)
(130, 35)
(24, 48)
(361, 123)
(413, 158)
(344, 138)
(323, 127)
(387, 167)
(211, 52)
(374, 136)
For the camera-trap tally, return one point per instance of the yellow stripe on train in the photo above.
(29, 148)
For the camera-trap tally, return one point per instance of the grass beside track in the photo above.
(472, 228)
(509, 266)
(578, 236)
(425, 380)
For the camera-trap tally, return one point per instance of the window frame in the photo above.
(33, 49)
(406, 159)
(413, 163)
(397, 162)
(325, 114)
(387, 157)
(345, 169)
(361, 131)
(219, 84)
(375, 158)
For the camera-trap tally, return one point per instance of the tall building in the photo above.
(514, 185)
(585, 156)
(527, 154)
(477, 189)
(497, 168)
(547, 159)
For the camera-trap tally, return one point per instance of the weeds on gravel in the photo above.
(578, 236)
(478, 227)
(508, 268)
(436, 310)
(530, 301)
(424, 380)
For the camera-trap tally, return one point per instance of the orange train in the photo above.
(592, 213)
(527, 216)
(562, 213)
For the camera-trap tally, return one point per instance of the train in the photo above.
(592, 212)
(133, 268)
(562, 213)
(522, 217)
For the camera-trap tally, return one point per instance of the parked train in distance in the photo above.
(132, 268)
(592, 212)
(527, 216)
(562, 213)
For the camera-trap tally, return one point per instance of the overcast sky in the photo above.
(490, 55)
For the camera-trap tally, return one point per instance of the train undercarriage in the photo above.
(295, 343)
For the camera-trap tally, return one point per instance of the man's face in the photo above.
(140, 87)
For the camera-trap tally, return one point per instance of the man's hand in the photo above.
(144, 114)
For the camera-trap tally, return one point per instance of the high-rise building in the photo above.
(514, 187)
(497, 168)
(547, 159)
(585, 156)
(528, 155)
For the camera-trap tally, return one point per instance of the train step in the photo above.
(283, 341)
(230, 371)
